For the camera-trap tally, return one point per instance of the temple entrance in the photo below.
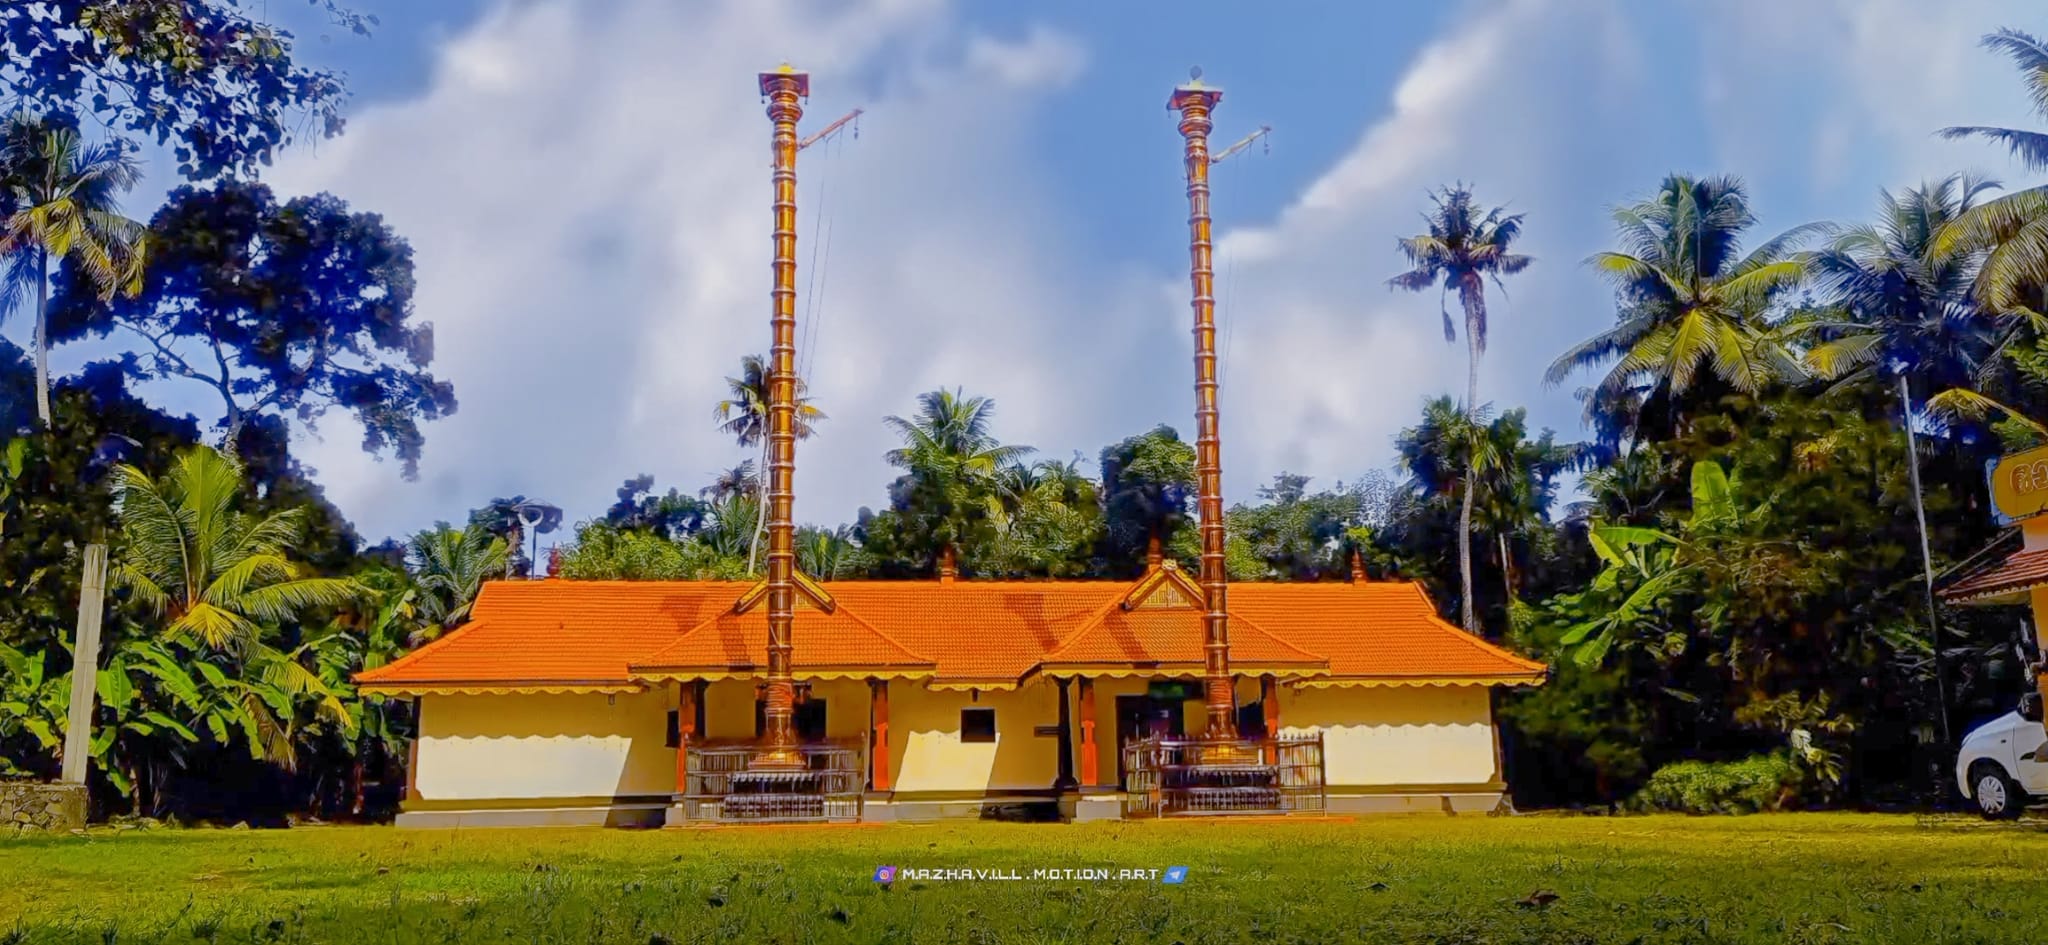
(1143, 716)
(808, 717)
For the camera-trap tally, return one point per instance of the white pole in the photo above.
(1926, 557)
(85, 661)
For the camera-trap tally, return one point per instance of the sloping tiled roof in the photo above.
(1174, 636)
(820, 643)
(595, 634)
(2014, 574)
(571, 633)
(1380, 629)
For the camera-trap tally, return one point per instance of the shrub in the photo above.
(1756, 783)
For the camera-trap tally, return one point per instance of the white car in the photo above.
(2003, 765)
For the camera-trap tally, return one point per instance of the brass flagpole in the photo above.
(785, 89)
(1196, 102)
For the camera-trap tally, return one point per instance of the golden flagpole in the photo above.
(1196, 102)
(785, 89)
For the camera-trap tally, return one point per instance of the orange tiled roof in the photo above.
(2016, 573)
(1379, 629)
(1170, 637)
(820, 643)
(564, 634)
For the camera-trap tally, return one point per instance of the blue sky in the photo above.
(585, 185)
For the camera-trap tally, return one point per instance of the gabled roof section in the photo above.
(1163, 587)
(806, 589)
(1174, 637)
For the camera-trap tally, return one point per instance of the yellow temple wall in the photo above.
(501, 747)
(1397, 735)
(927, 755)
(490, 747)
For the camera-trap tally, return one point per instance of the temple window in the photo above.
(977, 725)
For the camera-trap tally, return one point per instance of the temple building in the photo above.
(788, 699)
(581, 702)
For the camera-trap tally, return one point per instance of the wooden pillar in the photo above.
(412, 753)
(878, 714)
(1090, 765)
(1269, 701)
(686, 726)
(1065, 781)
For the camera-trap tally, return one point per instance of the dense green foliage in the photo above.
(1752, 785)
(1797, 878)
(202, 73)
(286, 308)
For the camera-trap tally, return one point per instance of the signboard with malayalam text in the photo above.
(2019, 485)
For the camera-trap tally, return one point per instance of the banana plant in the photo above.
(32, 706)
(1653, 565)
(12, 459)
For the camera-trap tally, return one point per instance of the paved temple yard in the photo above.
(1771, 878)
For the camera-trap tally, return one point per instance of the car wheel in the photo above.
(1998, 796)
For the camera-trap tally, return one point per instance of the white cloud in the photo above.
(586, 189)
(1860, 87)
(1327, 364)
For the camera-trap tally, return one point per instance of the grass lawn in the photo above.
(1786, 878)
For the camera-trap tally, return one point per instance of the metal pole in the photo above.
(1926, 557)
(85, 662)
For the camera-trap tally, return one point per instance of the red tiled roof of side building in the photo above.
(2016, 573)
(582, 632)
(1378, 629)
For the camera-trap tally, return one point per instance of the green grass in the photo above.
(1784, 878)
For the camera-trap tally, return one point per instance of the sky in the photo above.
(585, 184)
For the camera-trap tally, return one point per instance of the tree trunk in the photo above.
(42, 340)
(1507, 572)
(355, 784)
(1471, 293)
(1465, 551)
(760, 506)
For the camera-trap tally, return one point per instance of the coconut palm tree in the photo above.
(62, 204)
(449, 566)
(744, 415)
(2011, 231)
(1688, 297)
(2030, 55)
(1450, 452)
(223, 581)
(1461, 250)
(1905, 288)
(739, 480)
(216, 575)
(954, 465)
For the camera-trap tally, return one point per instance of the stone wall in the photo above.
(36, 805)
